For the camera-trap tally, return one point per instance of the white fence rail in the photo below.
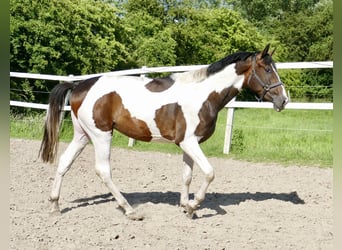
(144, 70)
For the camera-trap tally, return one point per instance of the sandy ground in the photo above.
(248, 206)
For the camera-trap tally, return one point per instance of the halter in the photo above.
(266, 87)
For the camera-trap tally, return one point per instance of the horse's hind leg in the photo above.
(76, 146)
(187, 177)
(102, 144)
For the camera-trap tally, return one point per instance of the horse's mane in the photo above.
(224, 62)
(201, 74)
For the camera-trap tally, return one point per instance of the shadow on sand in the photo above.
(212, 200)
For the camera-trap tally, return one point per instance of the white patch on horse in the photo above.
(282, 86)
(193, 76)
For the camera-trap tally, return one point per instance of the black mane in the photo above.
(224, 62)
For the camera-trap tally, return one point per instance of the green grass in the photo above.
(302, 137)
(27, 126)
(296, 137)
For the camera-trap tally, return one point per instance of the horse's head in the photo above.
(264, 81)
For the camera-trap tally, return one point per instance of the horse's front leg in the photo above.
(187, 177)
(192, 148)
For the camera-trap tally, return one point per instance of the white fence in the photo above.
(230, 106)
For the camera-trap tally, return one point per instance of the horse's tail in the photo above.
(49, 145)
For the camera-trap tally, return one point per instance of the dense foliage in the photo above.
(65, 37)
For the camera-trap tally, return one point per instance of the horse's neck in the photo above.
(218, 88)
(224, 85)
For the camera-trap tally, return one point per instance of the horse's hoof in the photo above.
(189, 215)
(192, 215)
(134, 216)
(189, 211)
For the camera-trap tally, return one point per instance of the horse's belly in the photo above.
(137, 128)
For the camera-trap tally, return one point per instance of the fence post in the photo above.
(229, 129)
(131, 142)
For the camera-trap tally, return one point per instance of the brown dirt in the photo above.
(248, 206)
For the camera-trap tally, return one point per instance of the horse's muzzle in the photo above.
(280, 103)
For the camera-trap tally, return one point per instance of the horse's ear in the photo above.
(273, 52)
(265, 51)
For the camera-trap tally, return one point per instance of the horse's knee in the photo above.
(210, 176)
(105, 176)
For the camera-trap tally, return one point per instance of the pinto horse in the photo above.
(181, 108)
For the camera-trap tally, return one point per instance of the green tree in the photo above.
(158, 50)
(153, 7)
(260, 11)
(206, 35)
(148, 42)
(312, 40)
(63, 37)
(173, 32)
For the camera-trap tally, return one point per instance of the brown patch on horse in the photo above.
(109, 113)
(209, 111)
(244, 67)
(241, 67)
(171, 122)
(80, 92)
(160, 84)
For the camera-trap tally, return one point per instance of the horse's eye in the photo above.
(268, 69)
